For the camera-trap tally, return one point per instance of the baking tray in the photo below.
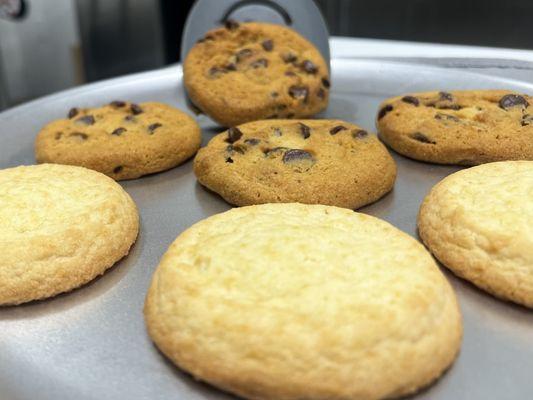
(92, 344)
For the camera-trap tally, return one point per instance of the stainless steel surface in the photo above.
(39, 53)
(3, 85)
(91, 344)
(120, 36)
(452, 21)
(301, 15)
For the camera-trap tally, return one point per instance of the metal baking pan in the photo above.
(91, 344)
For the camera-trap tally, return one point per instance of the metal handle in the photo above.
(13, 9)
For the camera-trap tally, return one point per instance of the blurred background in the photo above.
(50, 45)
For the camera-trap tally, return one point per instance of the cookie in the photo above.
(122, 140)
(308, 161)
(463, 127)
(60, 227)
(477, 222)
(293, 301)
(250, 71)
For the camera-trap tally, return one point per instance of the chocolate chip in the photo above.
(153, 127)
(86, 120)
(445, 96)
(252, 141)
(422, 138)
(234, 134)
(136, 109)
(117, 104)
(118, 131)
(527, 120)
(118, 169)
(304, 130)
(129, 118)
(81, 135)
(446, 117)
(235, 148)
(73, 112)
(296, 155)
(242, 54)
(290, 73)
(238, 148)
(337, 129)
(216, 71)
(384, 111)
(275, 150)
(268, 45)
(411, 100)
(231, 24)
(513, 100)
(58, 135)
(274, 94)
(289, 57)
(230, 67)
(326, 83)
(321, 93)
(299, 92)
(261, 63)
(449, 107)
(229, 160)
(444, 102)
(359, 134)
(309, 67)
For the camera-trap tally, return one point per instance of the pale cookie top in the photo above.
(250, 71)
(459, 127)
(60, 226)
(478, 222)
(123, 140)
(293, 301)
(310, 161)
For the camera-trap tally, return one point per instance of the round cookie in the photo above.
(292, 301)
(477, 222)
(60, 227)
(462, 127)
(250, 71)
(122, 140)
(328, 162)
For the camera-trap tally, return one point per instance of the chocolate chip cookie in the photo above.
(250, 71)
(460, 127)
(60, 227)
(294, 301)
(122, 140)
(308, 161)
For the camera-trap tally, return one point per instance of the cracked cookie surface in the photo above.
(60, 227)
(477, 222)
(293, 301)
(328, 162)
(251, 71)
(122, 140)
(460, 127)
